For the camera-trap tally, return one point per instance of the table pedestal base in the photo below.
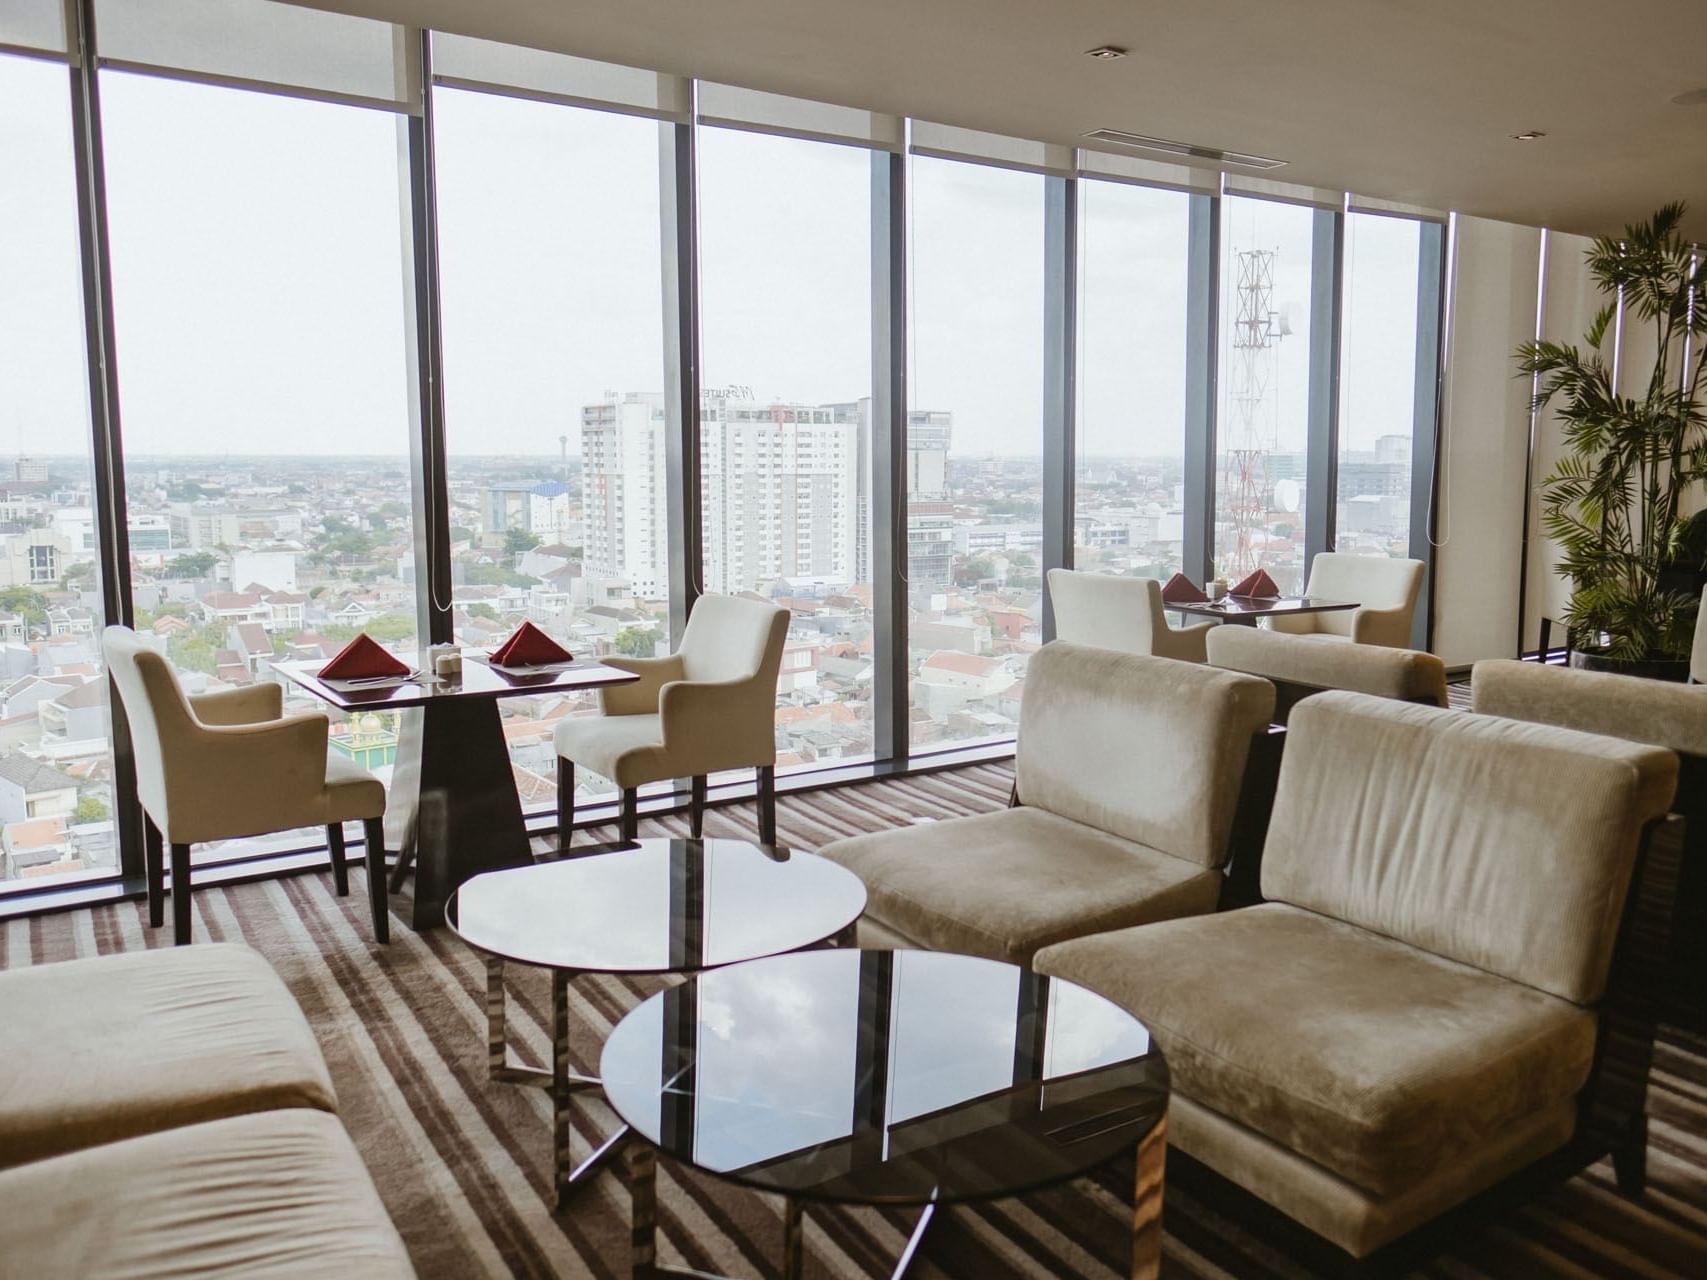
(560, 1080)
(642, 1161)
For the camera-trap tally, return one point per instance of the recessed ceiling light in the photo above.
(1106, 52)
(1528, 135)
(1692, 98)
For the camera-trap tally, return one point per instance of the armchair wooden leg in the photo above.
(340, 869)
(565, 801)
(630, 826)
(373, 832)
(696, 807)
(767, 804)
(181, 895)
(154, 858)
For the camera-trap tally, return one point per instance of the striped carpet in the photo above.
(462, 1164)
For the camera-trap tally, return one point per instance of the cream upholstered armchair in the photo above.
(1417, 1010)
(222, 766)
(1386, 590)
(1125, 614)
(1127, 775)
(1698, 655)
(707, 707)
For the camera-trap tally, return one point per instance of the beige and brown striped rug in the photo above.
(462, 1163)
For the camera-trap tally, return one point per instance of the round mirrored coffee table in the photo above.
(650, 907)
(879, 1077)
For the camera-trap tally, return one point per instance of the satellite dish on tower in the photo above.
(1286, 495)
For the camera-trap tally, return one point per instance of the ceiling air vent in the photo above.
(1163, 147)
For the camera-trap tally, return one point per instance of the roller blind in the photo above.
(282, 47)
(1239, 184)
(951, 143)
(725, 105)
(467, 63)
(1393, 209)
(1110, 167)
(35, 26)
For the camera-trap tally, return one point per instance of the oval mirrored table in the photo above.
(880, 1077)
(649, 907)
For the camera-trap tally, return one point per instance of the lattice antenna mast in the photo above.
(1256, 332)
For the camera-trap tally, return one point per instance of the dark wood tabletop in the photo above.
(479, 679)
(1235, 608)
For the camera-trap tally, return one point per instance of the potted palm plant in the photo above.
(1620, 502)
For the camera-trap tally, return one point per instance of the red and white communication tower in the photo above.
(1257, 328)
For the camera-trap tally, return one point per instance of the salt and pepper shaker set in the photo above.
(446, 661)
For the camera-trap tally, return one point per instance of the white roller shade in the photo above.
(951, 143)
(1393, 209)
(727, 106)
(467, 63)
(36, 26)
(1111, 167)
(282, 47)
(1239, 184)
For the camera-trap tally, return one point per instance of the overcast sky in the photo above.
(258, 263)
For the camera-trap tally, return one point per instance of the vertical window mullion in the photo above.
(1203, 298)
(1425, 419)
(1321, 463)
(677, 179)
(888, 434)
(1060, 364)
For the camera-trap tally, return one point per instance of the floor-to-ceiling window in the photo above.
(974, 447)
(1378, 368)
(1262, 429)
(549, 262)
(56, 763)
(1129, 491)
(259, 279)
(785, 426)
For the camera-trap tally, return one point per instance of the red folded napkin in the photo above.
(529, 647)
(1180, 589)
(1257, 584)
(361, 659)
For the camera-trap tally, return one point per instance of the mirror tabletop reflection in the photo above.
(657, 906)
(885, 1077)
(1259, 606)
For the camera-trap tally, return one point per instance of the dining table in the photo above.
(452, 810)
(1247, 611)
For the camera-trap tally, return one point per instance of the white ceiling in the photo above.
(1402, 101)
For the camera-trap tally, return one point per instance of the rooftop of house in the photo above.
(33, 776)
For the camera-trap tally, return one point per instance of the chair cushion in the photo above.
(1001, 885)
(279, 1195)
(629, 750)
(352, 793)
(1655, 711)
(1369, 1057)
(1330, 662)
(110, 1047)
(1503, 845)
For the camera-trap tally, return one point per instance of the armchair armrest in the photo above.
(226, 781)
(249, 705)
(1390, 627)
(641, 697)
(721, 724)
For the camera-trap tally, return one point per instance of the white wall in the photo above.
(1484, 440)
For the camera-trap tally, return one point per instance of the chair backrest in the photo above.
(1322, 663)
(1656, 712)
(1698, 655)
(1375, 582)
(734, 638)
(1501, 845)
(1145, 748)
(155, 708)
(1106, 611)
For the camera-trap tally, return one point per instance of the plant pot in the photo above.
(1674, 669)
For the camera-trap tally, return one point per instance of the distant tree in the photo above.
(638, 642)
(27, 604)
(1023, 560)
(82, 571)
(191, 652)
(390, 627)
(196, 564)
(517, 541)
(494, 575)
(974, 571)
(90, 809)
(461, 533)
(481, 610)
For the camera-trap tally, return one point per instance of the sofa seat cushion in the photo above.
(282, 1194)
(629, 750)
(115, 1046)
(1001, 885)
(1378, 1061)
